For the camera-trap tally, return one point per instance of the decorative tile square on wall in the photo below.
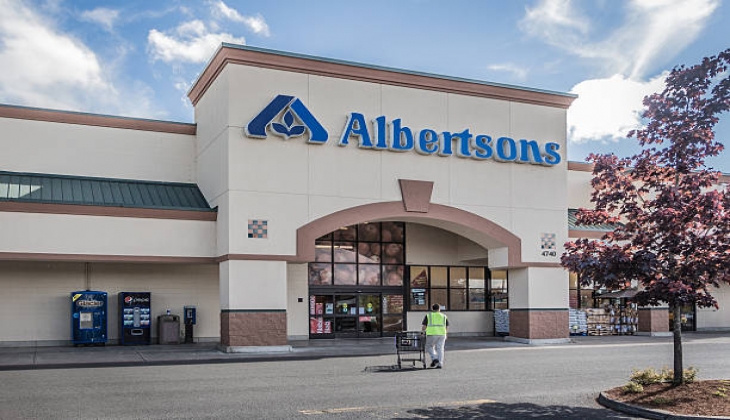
(258, 229)
(548, 241)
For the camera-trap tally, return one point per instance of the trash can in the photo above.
(168, 329)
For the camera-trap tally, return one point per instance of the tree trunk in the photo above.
(678, 364)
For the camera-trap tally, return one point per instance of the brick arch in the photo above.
(469, 225)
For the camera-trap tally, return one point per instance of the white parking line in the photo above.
(400, 407)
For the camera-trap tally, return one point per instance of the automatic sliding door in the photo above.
(369, 316)
(346, 313)
(354, 315)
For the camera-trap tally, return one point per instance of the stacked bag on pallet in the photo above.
(578, 322)
(501, 322)
(598, 321)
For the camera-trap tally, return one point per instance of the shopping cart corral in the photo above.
(410, 346)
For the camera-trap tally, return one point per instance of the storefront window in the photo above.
(456, 288)
(320, 274)
(393, 232)
(369, 275)
(498, 290)
(345, 274)
(345, 252)
(323, 251)
(392, 313)
(346, 233)
(321, 314)
(580, 296)
(573, 291)
(477, 290)
(439, 277)
(368, 254)
(393, 275)
(419, 286)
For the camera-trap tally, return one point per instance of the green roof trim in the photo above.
(572, 224)
(107, 192)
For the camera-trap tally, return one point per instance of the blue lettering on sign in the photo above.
(483, 147)
(287, 117)
(397, 137)
(427, 142)
(401, 137)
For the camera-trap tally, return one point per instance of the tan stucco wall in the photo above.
(716, 319)
(72, 149)
(460, 323)
(105, 235)
(36, 302)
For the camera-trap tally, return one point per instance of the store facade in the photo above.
(339, 200)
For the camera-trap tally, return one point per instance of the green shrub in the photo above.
(646, 377)
(633, 388)
(690, 375)
(650, 376)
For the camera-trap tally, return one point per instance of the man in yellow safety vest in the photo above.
(436, 325)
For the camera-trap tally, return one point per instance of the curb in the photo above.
(244, 358)
(647, 413)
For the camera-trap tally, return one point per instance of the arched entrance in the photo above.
(482, 231)
(362, 285)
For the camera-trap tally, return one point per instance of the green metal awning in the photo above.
(108, 192)
(603, 227)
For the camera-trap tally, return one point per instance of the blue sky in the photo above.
(138, 58)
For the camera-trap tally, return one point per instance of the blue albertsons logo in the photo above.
(394, 136)
(286, 108)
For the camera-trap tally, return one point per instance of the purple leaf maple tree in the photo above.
(670, 213)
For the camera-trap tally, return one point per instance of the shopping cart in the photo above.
(410, 346)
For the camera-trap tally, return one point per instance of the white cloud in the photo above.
(516, 71)
(103, 16)
(663, 27)
(607, 109)
(651, 34)
(653, 31)
(257, 24)
(44, 67)
(189, 42)
(553, 19)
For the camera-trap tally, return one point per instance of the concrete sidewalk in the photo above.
(23, 358)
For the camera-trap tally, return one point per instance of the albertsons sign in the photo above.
(286, 116)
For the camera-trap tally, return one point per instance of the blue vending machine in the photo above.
(134, 318)
(88, 317)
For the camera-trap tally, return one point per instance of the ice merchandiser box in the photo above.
(88, 317)
(134, 318)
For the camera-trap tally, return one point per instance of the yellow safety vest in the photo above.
(436, 324)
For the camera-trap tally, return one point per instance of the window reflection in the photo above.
(344, 274)
(498, 289)
(369, 275)
(393, 275)
(367, 254)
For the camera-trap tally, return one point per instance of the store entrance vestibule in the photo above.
(341, 314)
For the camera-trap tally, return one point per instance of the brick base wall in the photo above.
(653, 320)
(536, 324)
(253, 328)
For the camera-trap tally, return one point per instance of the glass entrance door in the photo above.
(355, 315)
(346, 315)
(369, 316)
